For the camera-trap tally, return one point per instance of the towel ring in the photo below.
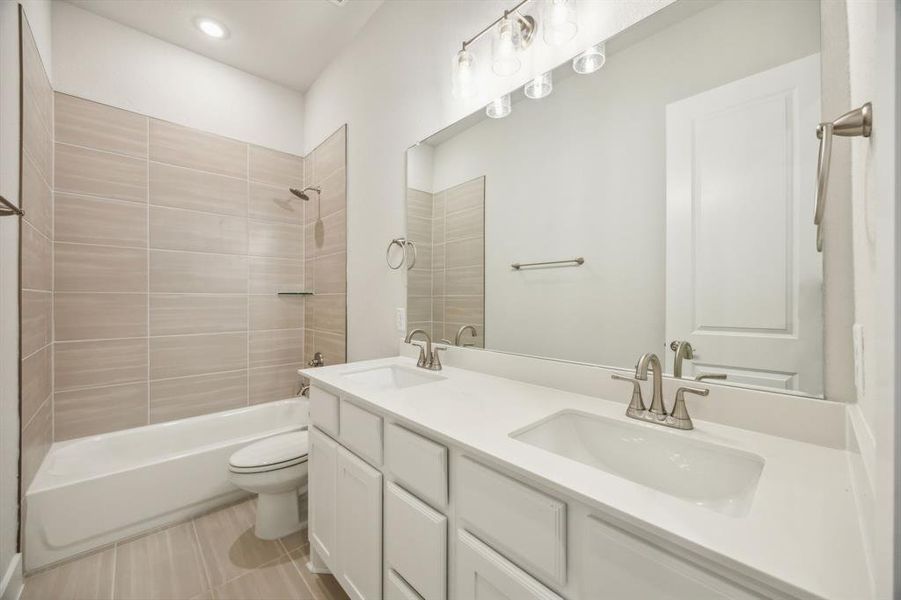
(403, 244)
(854, 123)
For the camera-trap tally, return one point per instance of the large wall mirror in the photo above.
(676, 187)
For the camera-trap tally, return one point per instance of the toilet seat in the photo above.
(271, 454)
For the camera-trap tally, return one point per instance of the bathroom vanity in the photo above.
(462, 484)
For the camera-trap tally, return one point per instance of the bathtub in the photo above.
(92, 491)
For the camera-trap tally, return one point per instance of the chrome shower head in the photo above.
(302, 194)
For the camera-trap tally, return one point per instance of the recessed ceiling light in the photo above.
(212, 28)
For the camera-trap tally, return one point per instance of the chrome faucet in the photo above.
(683, 350)
(679, 418)
(641, 373)
(463, 330)
(428, 356)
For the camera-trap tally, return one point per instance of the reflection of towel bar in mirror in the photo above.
(854, 123)
(403, 244)
(572, 261)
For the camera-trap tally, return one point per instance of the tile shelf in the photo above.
(297, 293)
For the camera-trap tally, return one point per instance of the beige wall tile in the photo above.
(439, 231)
(37, 90)
(332, 346)
(438, 205)
(183, 355)
(451, 329)
(275, 168)
(331, 274)
(419, 204)
(466, 196)
(87, 220)
(276, 579)
(327, 235)
(332, 198)
(276, 347)
(36, 439)
(37, 200)
(274, 383)
(276, 312)
(273, 203)
(439, 256)
(37, 142)
(94, 125)
(83, 171)
(465, 224)
(328, 313)
(419, 308)
(465, 309)
(91, 411)
(163, 565)
(179, 187)
(36, 320)
(419, 283)
(176, 229)
(172, 271)
(438, 308)
(191, 396)
(89, 316)
(466, 281)
(272, 275)
(187, 147)
(96, 363)
(419, 230)
(329, 156)
(86, 577)
(465, 253)
(173, 314)
(36, 260)
(36, 381)
(280, 240)
(439, 282)
(84, 268)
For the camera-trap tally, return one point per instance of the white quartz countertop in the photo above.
(802, 532)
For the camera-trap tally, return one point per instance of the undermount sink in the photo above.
(716, 477)
(393, 377)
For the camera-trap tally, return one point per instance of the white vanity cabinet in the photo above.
(323, 494)
(359, 527)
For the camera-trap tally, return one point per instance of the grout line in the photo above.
(115, 569)
(137, 157)
(147, 264)
(248, 282)
(206, 570)
(52, 406)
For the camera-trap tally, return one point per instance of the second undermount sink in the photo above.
(716, 477)
(392, 377)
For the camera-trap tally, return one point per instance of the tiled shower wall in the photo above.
(170, 247)
(36, 253)
(446, 287)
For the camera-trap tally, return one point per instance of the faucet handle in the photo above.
(636, 404)
(680, 412)
(434, 360)
(703, 376)
(421, 362)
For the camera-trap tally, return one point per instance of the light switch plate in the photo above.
(859, 373)
(400, 320)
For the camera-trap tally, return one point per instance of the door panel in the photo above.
(323, 496)
(359, 528)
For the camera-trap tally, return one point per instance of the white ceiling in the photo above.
(286, 41)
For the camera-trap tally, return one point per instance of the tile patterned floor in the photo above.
(213, 557)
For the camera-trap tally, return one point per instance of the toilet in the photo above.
(275, 469)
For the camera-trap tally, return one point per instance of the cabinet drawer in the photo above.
(418, 463)
(615, 564)
(416, 543)
(361, 431)
(483, 574)
(324, 410)
(522, 523)
(397, 589)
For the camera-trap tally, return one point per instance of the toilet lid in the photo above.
(276, 452)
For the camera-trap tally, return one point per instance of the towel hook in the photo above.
(854, 123)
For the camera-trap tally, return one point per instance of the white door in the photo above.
(359, 528)
(743, 278)
(323, 471)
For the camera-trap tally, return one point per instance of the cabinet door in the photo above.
(323, 470)
(416, 543)
(483, 574)
(359, 528)
(616, 564)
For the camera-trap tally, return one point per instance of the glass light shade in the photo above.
(591, 60)
(539, 87)
(559, 21)
(499, 107)
(505, 47)
(464, 74)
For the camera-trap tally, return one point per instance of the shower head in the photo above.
(302, 194)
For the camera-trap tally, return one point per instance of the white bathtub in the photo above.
(93, 491)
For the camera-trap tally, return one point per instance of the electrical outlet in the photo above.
(400, 320)
(859, 373)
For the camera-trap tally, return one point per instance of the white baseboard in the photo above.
(11, 585)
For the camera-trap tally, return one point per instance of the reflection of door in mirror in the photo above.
(741, 282)
(446, 287)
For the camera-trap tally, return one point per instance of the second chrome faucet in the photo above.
(678, 418)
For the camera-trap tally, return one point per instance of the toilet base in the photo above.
(278, 515)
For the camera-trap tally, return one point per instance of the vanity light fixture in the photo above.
(591, 59)
(212, 28)
(464, 73)
(559, 21)
(539, 87)
(499, 107)
(505, 48)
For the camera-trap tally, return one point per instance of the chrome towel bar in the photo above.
(854, 123)
(573, 261)
(9, 208)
